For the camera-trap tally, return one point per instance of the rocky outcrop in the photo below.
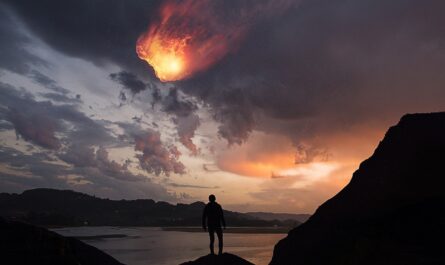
(392, 211)
(26, 244)
(224, 259)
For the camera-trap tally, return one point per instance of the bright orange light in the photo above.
(186, 39)
(190, 36)
(166, 56)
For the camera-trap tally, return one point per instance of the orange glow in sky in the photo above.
(185, 40)
(166, 56)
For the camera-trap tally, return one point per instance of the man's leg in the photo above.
(219, 233)
(212, 239)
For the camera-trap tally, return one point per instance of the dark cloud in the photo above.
(175, 105)
(73, 135)
(103, 178)
(131, 130)
(319, 68)
(41, 121)
(186, 127)
(35, 127)
(306, 154)
(155, 157)
(29, 118)
(176, 185)
(183, 109)
(5, 125)
(16, 57)
(46, 82)
(100, 31)
(122, 96)
(326, 66)
(79, 156)
(236, 117)
(13, 56)
(129, 81)
(110, 35)
(156, 96)
(56, 97)
(84, 157)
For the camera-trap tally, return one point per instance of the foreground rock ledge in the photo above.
(224, 259)
(27, 244)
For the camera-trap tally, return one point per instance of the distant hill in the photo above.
(391, 213)
(26, 244)
(280, 216)
(51, 207)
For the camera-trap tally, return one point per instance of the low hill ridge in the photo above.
(52, 207)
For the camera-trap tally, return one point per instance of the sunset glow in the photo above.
(314, 171)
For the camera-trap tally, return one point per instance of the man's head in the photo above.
(212, 198)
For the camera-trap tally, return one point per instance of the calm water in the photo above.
(152, 246)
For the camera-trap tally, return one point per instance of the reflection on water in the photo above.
(152, 246)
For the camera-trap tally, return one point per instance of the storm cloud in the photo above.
(326, 66)
(155, 157)
(321, 65)
(320, 81)
(34, 171)
(99, 31)
(129, 81)
(186, 127)
(39, 121)
(13, 56)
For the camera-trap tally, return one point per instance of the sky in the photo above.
(269, 105)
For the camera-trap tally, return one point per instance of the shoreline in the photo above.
(189, 229)
(234, 230)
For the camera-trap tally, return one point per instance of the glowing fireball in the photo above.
(190, 36)
(165, 55)
(187, 39)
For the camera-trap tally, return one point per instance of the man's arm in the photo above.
(204, 217)
(222, 217)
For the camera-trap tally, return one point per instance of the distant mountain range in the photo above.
(392, 212)
(280, 216)
(50, 207)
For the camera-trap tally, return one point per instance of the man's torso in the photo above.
(213, 211)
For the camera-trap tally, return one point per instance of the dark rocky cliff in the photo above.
(392, 211)
(27, 244)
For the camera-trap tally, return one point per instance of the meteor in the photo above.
(165, 55)
(189, 36)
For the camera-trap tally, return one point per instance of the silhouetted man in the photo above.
(214, 216)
